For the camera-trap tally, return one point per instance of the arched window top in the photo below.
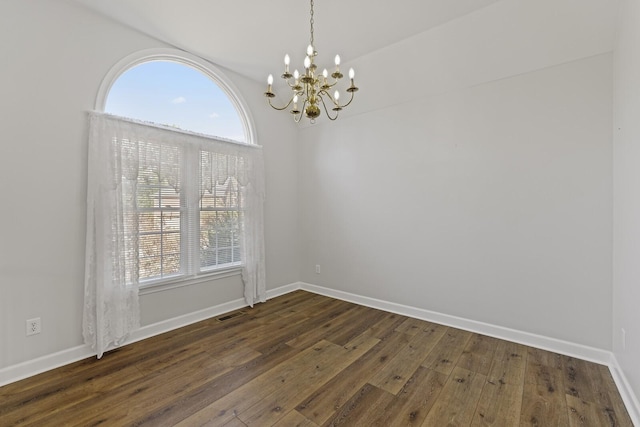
(173, 88)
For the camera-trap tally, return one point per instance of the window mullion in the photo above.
(190, 241)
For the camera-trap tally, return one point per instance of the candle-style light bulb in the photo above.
(307, 62)
(295, 102)
(287, 60)
(296, 74)
(270, 80)
(337, 60)
(325, 73)
(336, 96)
(310, 50)
(351, 73)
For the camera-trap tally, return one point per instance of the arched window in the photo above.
(175, 94)
(176, 89)
(175, 189)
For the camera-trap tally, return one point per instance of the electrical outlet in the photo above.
(317, 268)
(33, 326)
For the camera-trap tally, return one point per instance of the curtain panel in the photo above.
(119, 151)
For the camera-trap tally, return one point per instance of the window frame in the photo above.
(233, 94)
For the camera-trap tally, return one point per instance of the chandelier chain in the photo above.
(311, 24)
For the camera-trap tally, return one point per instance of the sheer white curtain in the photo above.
(118, 149)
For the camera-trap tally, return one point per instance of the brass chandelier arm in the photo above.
(291, 82)
(325, 86)
(337, 104)
(298, 116)
(280, 108)
(350, 99)
(326, 110)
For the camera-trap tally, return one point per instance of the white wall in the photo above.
(55, 55)
(491, 203)
(473, 175)
(626, 200)
(505, 39)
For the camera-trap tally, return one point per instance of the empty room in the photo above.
(320, 212)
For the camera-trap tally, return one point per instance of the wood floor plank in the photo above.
(411, 326)
(241, 371)
(456, 404)
(355, 327)
(281, 331)
(577, 384)
(583, 413)
(336, 323)
(64, 398)
(478, 354)
(608, 394)
(308, 377)
(546, 368)
(320, 405)
(268, 326)
(271, 333)
(540, 407)
(289, 328)
(394, 375)
(447, 351)
(543, 401)
(295, 419)
(234, 422)
(284, 304)
(587, 394)
(139, 395)
(509, 363)
(363, 409)
(414, 401)
(499, 405)
(196, 398)
(303, 307)
(386, 326)
(270, 396)
(239, 400)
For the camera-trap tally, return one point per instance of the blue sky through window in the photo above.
(174, 94)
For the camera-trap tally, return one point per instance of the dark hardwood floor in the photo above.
(308, 360)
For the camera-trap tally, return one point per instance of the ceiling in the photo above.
(252, 37)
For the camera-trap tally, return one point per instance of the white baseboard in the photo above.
(272, 293)
(42, 364)
(557, 346)
(163, 326)
(628, 396)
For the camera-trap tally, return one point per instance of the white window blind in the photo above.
(220, 210)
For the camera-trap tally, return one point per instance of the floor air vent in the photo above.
(230, 316)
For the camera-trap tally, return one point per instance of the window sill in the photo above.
(181, 281)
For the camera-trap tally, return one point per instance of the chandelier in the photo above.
(311, 89)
